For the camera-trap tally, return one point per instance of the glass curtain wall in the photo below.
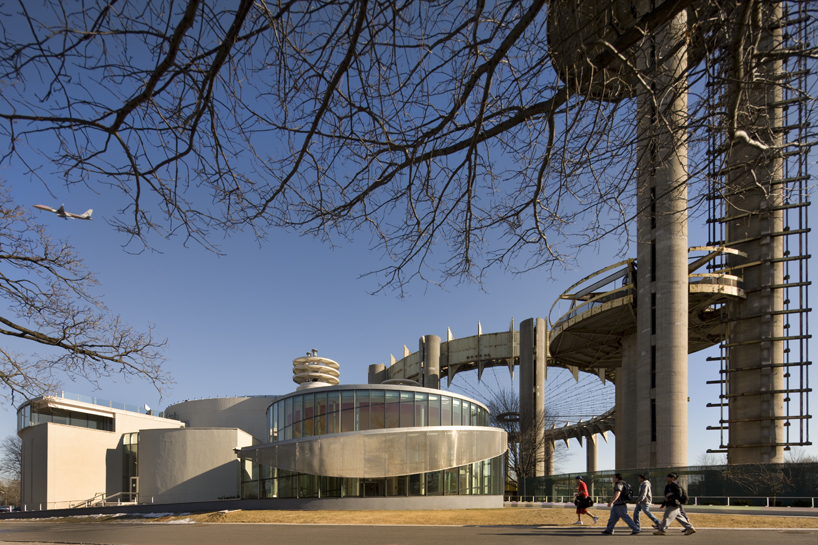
(322, 413)
(31, 416)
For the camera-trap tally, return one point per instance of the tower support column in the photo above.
(533, 355)
(591, 458)
(662, 276)
(753, 206)
(430, 357)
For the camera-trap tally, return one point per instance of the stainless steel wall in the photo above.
(382, 453)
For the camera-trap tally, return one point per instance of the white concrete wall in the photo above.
(64, 463)
(246, 413)
(192, 464)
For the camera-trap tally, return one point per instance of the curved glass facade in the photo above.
(348, 409)
(479, 478)
(329, 410)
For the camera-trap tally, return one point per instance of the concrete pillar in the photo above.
(591, 459)
(533, 343)
(375, 372)
(430, 357)
(549, 457)
(662, 277)
(628, 385)
(754, 186)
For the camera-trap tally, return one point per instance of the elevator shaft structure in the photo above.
(759, 190)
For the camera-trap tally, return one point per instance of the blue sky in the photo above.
(235, 322)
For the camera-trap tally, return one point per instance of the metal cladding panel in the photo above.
(347, 454)
(376, 454)
(309, 452)
(416, 452)
(286, 455)
(440, 450)
(383, 453)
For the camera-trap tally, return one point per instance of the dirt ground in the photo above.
(483, 517)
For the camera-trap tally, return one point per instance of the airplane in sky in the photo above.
(63, 214)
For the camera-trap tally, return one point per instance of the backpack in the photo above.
(682, 495)
(627, 492)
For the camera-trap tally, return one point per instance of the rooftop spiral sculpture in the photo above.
(312, 371)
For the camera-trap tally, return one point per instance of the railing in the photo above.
(101, 500)
(616, 284)
(105, 403)
(725, 501)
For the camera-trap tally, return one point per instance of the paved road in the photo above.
(124, 533)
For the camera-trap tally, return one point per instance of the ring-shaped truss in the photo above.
(607, 297)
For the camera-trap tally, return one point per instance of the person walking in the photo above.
(619, 507)
(581, 500)
(672, 505)
(643, 502)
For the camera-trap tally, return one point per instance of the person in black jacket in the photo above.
(672, 507)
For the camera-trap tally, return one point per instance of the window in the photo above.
(288, 418)
(466, 421)
(297, 416)
(376, 410)
(362, 410)
(451, 481)
(434, 483)
(392, 409)
(407, 409)
(320, 413)
(309, 406)
(333, 412)
(434, 410)
(421, 409)
(445, 411)
(347, 410)
(464, 472)
(456, 412)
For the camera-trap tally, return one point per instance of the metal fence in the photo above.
(785, 485)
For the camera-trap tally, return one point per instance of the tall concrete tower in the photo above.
(651, 382)
(757, 118)
(660, 359)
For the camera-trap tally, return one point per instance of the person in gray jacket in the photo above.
(643, 501)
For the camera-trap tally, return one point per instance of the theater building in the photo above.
(396, 445)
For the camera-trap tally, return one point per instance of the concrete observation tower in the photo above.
(752, 299)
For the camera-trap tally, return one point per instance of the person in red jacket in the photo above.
(581, 501)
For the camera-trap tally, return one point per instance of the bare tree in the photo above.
(710, 459)
(11, 458)
(798, 455)
(11, 470)
(49, 305)
(527, 448)
(444, 130)
(760, 479)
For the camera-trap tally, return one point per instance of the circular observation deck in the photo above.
(603, 311)
(312, 371)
